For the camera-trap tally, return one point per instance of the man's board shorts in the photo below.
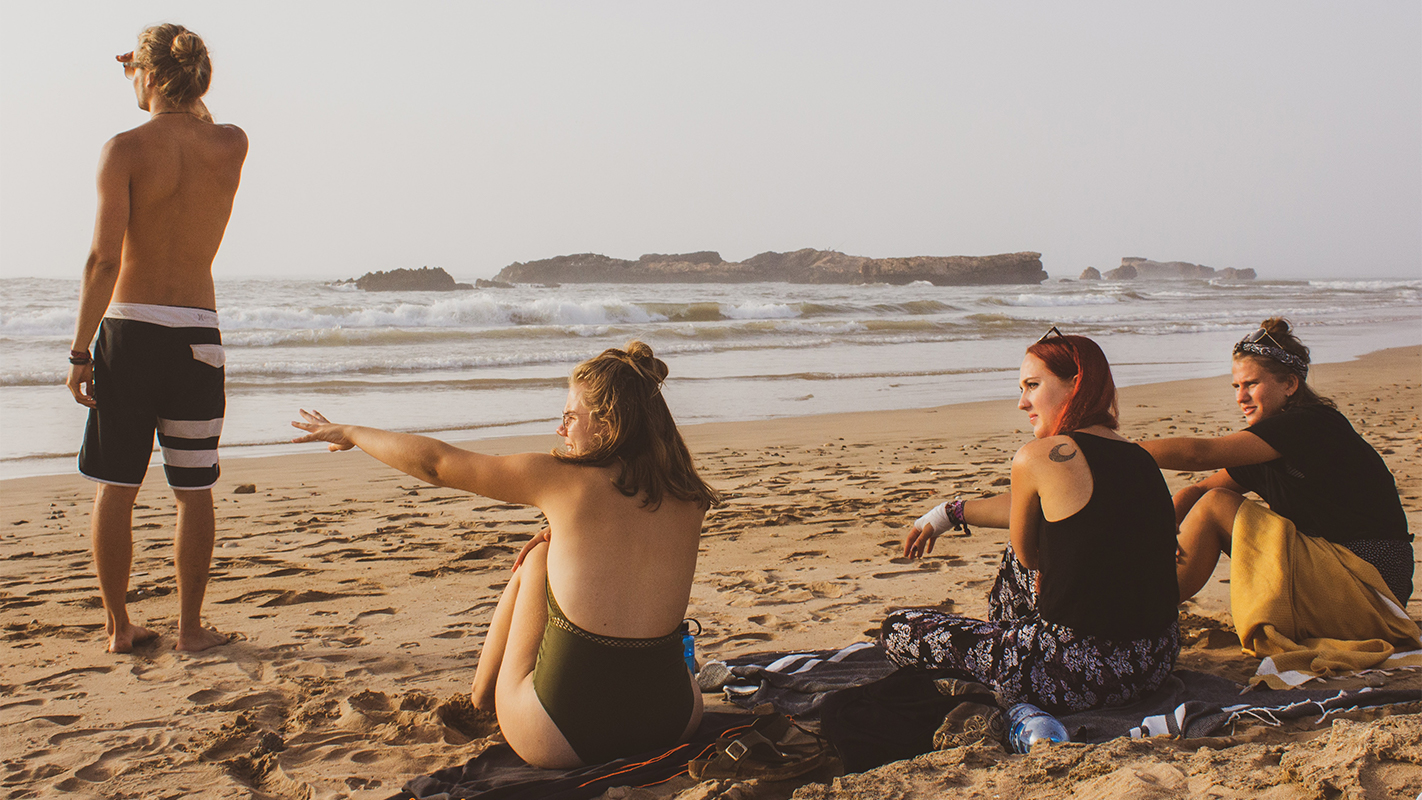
(156, 368)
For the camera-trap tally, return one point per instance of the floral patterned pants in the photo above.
(1029, 660)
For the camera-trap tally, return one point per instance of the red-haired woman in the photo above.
(1083, 613)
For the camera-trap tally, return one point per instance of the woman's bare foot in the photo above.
(125, 638)
(200, 639)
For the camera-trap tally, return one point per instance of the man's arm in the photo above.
(101, 270)
(1194, 455)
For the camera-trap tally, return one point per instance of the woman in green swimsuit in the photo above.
(583, 661)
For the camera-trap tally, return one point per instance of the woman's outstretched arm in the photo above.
(509, 478)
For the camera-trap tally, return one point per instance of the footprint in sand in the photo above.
(57, 682)
(206, 696)
(776, 623)
(826, 589)
(739, 637)
(458, 713)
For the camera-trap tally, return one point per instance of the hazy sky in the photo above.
(1283, 136)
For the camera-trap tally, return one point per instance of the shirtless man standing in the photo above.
(165, 195)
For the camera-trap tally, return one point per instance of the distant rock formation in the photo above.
(1133, 267)
(480, 283)
(424, 279)
(1090, 274)
(800, 266)
(1125, 272)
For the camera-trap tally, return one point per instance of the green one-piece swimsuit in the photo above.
(612, 697)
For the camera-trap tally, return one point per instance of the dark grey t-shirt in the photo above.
(1328, 480)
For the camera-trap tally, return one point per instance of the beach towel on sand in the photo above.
(499, 774)
(1311, 608)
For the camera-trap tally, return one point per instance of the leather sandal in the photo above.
(774, 748)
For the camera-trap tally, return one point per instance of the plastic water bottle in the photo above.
(1027, 725)
(688, 643)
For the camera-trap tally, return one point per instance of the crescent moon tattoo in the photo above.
(1056, 454)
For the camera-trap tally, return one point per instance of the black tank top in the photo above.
(1109, 569)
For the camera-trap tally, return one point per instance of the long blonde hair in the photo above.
(623, 392)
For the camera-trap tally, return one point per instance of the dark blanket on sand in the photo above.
(878, 714)
(498, 774)
(874, 714)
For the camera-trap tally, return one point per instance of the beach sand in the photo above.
(358, 597)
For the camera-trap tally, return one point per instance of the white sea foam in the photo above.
(760, 311)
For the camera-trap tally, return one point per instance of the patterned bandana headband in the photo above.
(1253, 344)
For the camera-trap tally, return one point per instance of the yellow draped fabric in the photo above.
(1311, 608)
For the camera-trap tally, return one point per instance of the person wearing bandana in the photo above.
(1303, 457)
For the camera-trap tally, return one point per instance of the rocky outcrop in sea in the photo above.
(424, 279)
(1133, 267)
(799, 266)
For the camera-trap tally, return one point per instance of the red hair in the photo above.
(1093, 394)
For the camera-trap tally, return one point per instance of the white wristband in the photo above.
(938, 518)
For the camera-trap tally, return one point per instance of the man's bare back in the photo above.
(182, 175)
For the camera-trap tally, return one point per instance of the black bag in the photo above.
(893, 718)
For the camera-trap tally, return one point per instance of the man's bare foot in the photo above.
(200, 639)
(126, 638)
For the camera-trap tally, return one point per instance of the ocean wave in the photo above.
(471, 311)
(1412, 286)
(1054, 300)
(37, 321)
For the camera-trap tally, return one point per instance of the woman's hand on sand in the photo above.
(544, 536)
(919, 541)
(320, 429)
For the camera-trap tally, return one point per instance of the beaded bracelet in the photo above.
(80, 358)
(955, 513)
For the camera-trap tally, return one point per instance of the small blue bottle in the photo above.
(688, 643)
(1027, 724)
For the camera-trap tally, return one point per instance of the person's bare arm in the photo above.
(1193, 455)
(101, 270)
(1025, 522)
(1186, 498)
(512, 479)
(988, 512)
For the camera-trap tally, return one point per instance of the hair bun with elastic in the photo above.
(188, 49)
(639, 356)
